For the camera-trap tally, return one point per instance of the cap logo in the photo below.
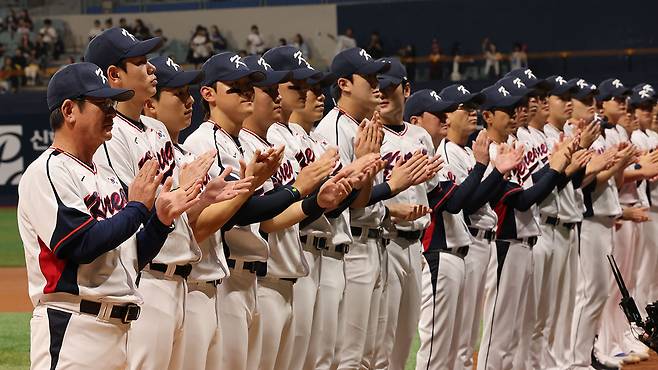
(300, 59)
(617, 84)
(644, 94)
(503, 91)
(172, 64)
(648, 88)
(125, 33)
(238, 62)
(518, 83)
(435, 95)
(463, 90)
(560, 80)
(581, 83)
(99, 73)
(364, 54)
(592, 86)
(264, 64)
(529, 74)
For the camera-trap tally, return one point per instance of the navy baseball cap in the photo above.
(529, 79)
(227, 66)
(515, 86)
(115, 44)
(583, 88)
(79, 80)
(324, 79)
(426, 100)
(642, 94)
(459, 94)
(170, 74)
(395, 75)
(272, 77)
(612, 88)
(497, 96)
(289, 58)
(561, 86)
(356, 61)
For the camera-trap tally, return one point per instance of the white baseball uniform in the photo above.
(239, 317)
(565, 260)
(648, 279)
(132, 144)
(400, 307)
(362, 264)
(60, 198)
(601, 209)
(286, 262)
(459, 161)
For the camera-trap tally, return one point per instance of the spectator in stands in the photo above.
(299, 43)
(95, 30)
(141, 32)
(436, 66)
(2, 49)
(408, 58)
(12, 22)
(9, 75)
(255, 43)
(491, 60)
(108, 24)
(375, 48)
(164, 49)
(456, 75)
(219, 43)
(49, 36)
(283, 42)
(42, 50)
(519, 58)
(123, 23)
(25, 16)
(32, 69)
(22, 29)
(344, 42)
(200, 47)
(25, 42)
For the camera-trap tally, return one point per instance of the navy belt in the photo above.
(320, 243)
(181, 270)
(555, 221)
(488, 235)
(255, 267)
(372, 233)
(409, 235)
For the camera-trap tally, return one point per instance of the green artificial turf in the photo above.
(11, 247)
(15, 340)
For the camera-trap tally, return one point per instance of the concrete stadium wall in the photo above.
(313, 22)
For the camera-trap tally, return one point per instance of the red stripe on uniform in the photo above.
(71, 233)
(427, 235)
(452, 188)
(51, 267)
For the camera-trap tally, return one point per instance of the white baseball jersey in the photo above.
(535, 157)
(642, 140)
(286, 258)
(513, 223)
(132, 144)
(59, 196)
(628, 193)
(306, 150)
(340, 129)
(653, 186)
(243, 242)
(601, 201)
(570, 200)
(459, 161)
(403, 144)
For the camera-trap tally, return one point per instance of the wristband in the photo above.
(310, 206)
(296, 195)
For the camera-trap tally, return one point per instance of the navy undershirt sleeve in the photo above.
(465, 190)
(343, 206)
(523, 200)
(259, 208)
(380, 192)
(150, 240)
(484, 192)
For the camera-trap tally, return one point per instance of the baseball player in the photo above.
(227, 90)
(172, 105)
(516, 234)
(135, 140)
(612, 340)
(400, 304)
(601, 208)
(641, 104)
(356, 74)
(286, 262)
(78, 227)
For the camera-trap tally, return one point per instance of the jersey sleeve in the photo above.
(55, 205)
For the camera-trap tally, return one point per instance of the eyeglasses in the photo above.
(106, 105)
